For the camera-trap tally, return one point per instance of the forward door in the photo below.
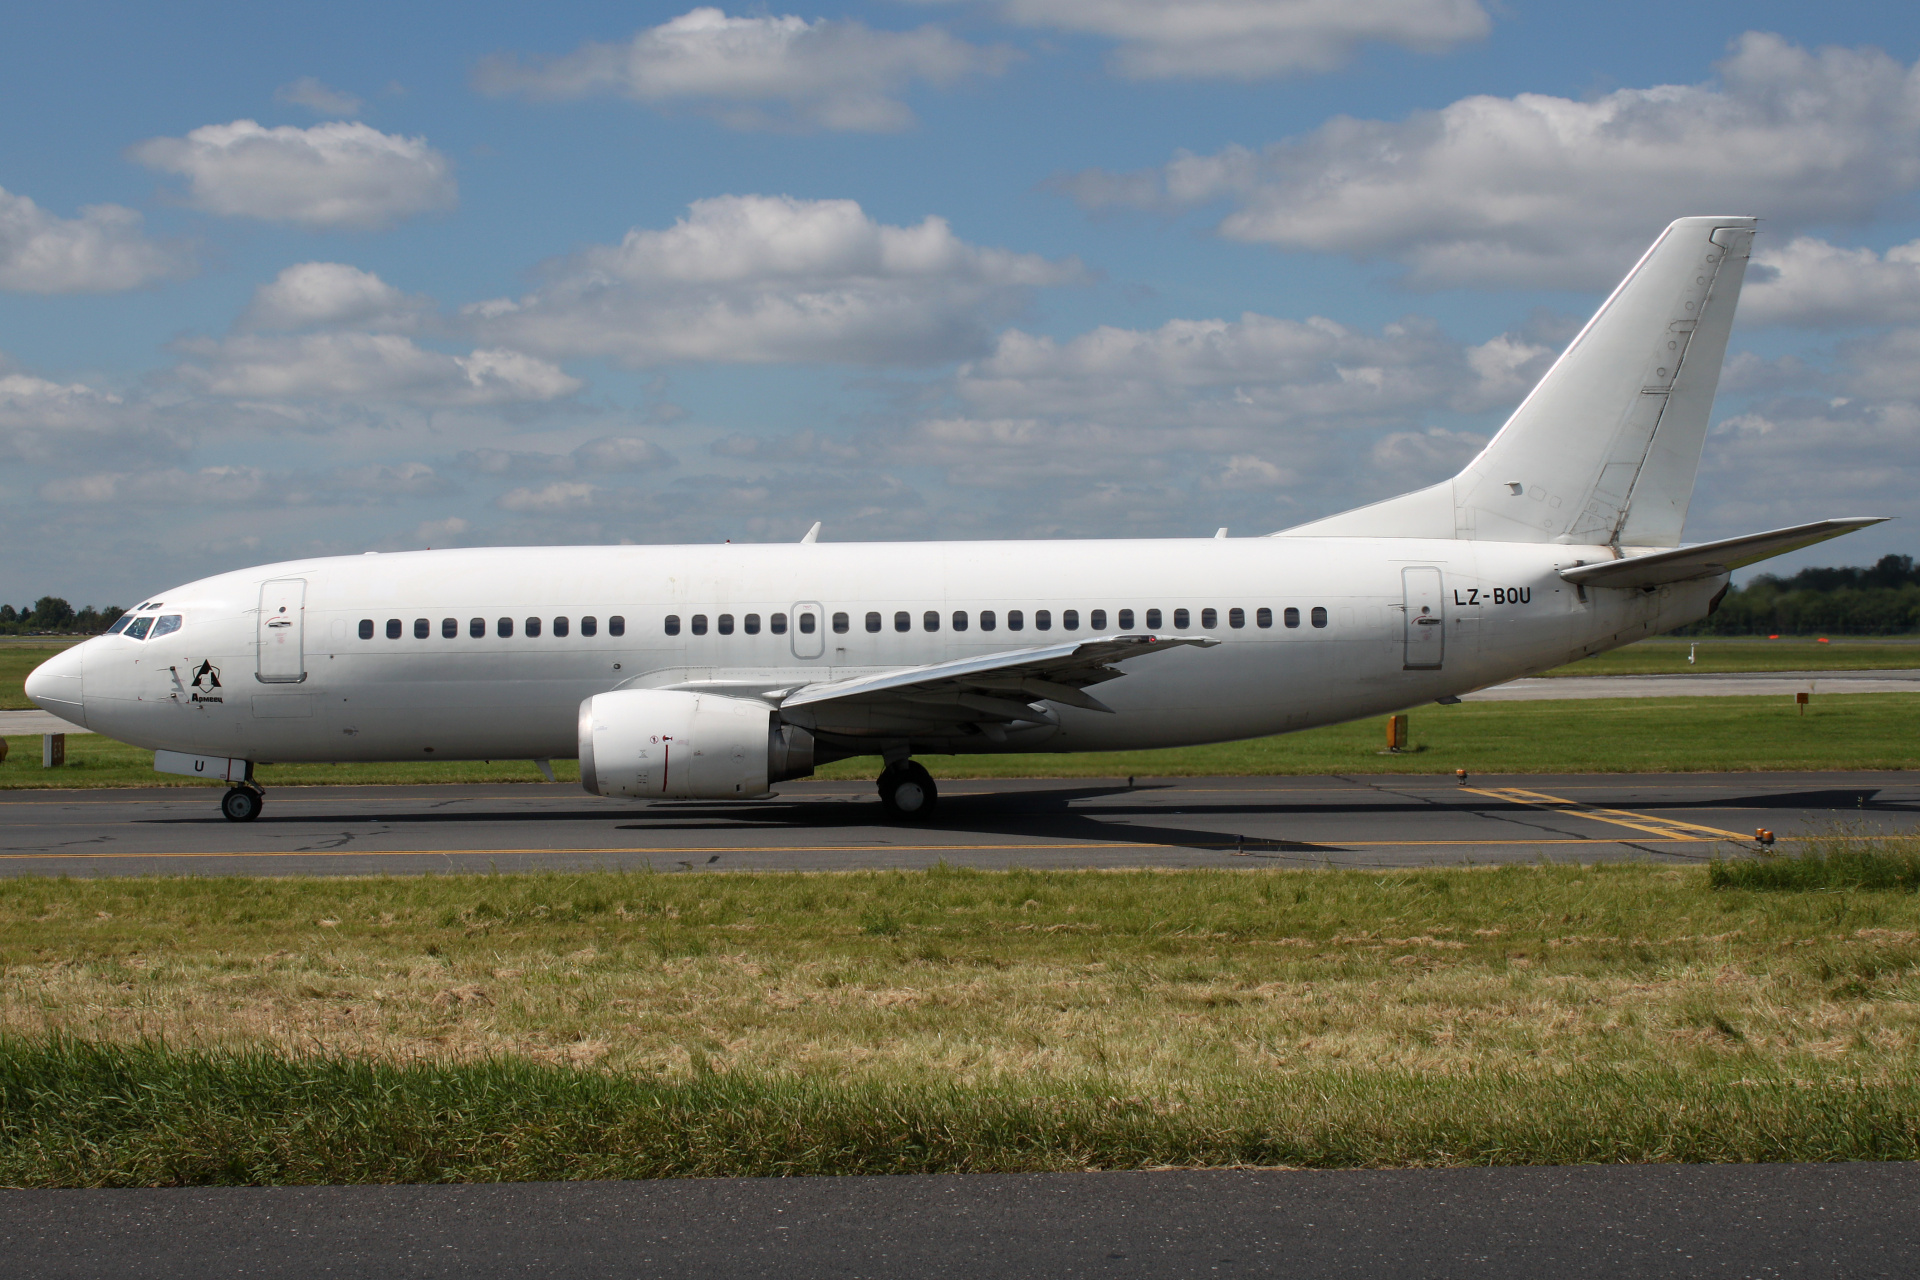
(283, 614)
(1425, 618)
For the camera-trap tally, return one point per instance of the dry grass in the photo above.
(1150, 982)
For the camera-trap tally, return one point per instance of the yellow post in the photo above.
(1396, 733)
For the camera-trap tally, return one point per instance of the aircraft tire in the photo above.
(241, 804)
(907, 792)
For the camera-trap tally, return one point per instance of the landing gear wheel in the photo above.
(907, 791)
(241, 804)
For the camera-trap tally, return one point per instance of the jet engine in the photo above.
(659, 744)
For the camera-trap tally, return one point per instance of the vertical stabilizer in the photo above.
(1606, 447)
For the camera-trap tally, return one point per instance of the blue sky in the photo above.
(278, 281)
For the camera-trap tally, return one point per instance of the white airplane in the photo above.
(714, 672)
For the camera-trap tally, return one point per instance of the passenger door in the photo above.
(282, 631)
(1426, 630)
(809, 630)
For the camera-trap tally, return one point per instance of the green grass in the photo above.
(1840, 862)
(285, 1030)
(1600, 735)
(1790, 653)
(16, 660)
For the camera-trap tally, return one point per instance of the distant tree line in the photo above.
(1881, 600)
(51, 614)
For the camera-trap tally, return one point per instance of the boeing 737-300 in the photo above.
(715, 672)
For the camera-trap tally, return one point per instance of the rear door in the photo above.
(1426, 618)
(282, 628)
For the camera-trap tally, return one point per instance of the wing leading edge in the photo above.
(993, 692)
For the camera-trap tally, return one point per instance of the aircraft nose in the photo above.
(55, 685)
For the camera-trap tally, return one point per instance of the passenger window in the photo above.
(1097, 619)
(778, 624)
(477, 628)
(987, 620)
(533, 628)
(120, 625)
(903, 621)
(752, 622)
(930, 620)
(1209, 618)
(421, 628)
(1126, 619)
(366, 628)
(503, 627)
(1236, 618)
(873, 621)
(808, 624)
(560, 627)
(725, 626)
(840, 624)
(1015, 620)
(673, 624)
(1153, 619)
(1042, 620)
(1291, 617)
(449, 628)
(959, 619)
(616, 625)
(589, 625)
(1181, 619)
(1263, 618)
(139, 629)
(699, 627)
(1070, 620)
(1319, 616)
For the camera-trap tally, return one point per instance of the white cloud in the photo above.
(1810, 282)
(758, 72)
(104, 250)
(1886, 366)
(1537, 190)
(597, 456)
(51, 422)
(766, 279)
(308, 92)
(331, 176)
(248, 486)
(377, 366)
(441, 533)
(556, 498)
(1247, 39)
(328, 294)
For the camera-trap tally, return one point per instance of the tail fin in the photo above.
(1605, 449)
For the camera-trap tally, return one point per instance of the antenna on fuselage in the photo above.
(813, 534)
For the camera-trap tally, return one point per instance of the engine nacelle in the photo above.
(658, 744)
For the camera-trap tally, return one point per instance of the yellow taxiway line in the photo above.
(1664, 829)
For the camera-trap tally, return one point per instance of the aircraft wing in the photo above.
(994, 690)
(1711, 557)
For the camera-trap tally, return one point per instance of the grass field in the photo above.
(1601, 735)
(164, 1031)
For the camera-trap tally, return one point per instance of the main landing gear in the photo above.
(907, 791)
(242, 803)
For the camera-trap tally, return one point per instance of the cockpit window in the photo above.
(120, 624)
(166, 626)
(139, 629)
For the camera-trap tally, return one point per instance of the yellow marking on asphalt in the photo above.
(1665, 829)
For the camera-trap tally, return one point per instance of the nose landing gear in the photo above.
(242, 803)
(907, 791)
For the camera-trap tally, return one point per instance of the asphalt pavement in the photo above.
(1350, 821)
(1851, 1220)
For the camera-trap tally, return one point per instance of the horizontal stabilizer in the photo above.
(1711, 557)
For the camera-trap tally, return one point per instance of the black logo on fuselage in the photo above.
(206, 676)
